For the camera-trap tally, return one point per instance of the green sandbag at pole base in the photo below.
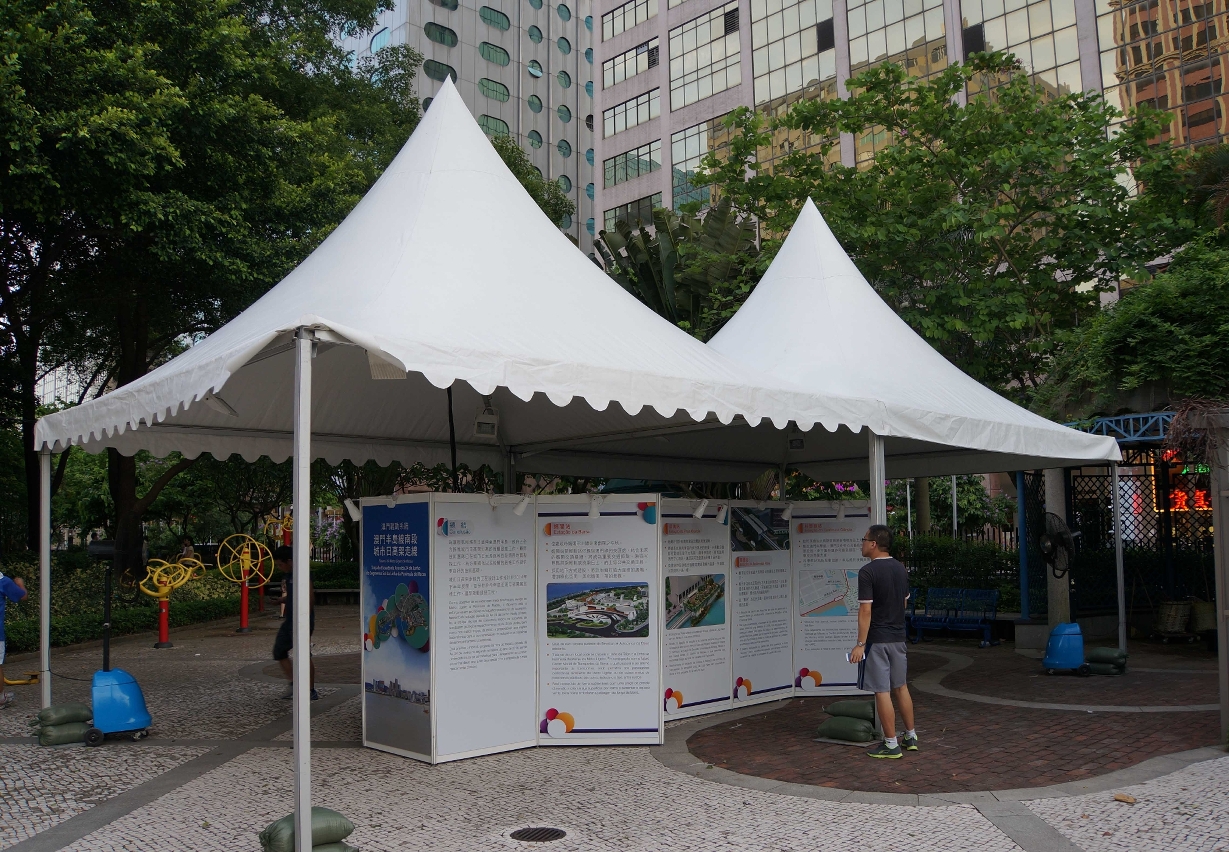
(852, 709)
(1107, 669)
(1106, 655)
(327, 827)
(62, 714)
(847, 729)
(70, 732)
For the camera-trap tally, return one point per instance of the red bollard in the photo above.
(243, 608)
(164, 625)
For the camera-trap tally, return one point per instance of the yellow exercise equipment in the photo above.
(162, 578)
(244, 560)
(279, 529)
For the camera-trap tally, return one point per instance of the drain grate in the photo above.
(538, 834)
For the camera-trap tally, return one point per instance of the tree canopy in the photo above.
(988, 226)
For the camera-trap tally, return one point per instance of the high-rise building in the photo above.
(672, 69)
(523, 67)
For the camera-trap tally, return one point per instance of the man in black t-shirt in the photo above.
(883, 590)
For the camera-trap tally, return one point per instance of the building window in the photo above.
(440, 35)
(565, 79)
(564, 148)
(565, 14)
(537, 4)
(494, 90)
(628, 64)
(631, 164)
(589, 23)
(566, 222)
(627, 16)
(589, 191)
(589, 122)
(793, 48)
(535, 68)
(589, 88)
(636, 212)
(493, 126)
(494, 18)
(450, 5)
(535, 35)
(565, 114)
(565, 46)
(380, 40)
(565, 183)
(589, 156)
(494, 53)
(438, 70)
(589, 225)
(535, 139)
(687, 148)
(535, 103)
(589, 55)
(638, 110)
(704, 56)
(426, 104)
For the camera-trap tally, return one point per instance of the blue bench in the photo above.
(957, 609)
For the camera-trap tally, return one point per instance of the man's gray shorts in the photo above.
(884, 667)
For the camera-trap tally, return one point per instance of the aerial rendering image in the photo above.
(583, 610)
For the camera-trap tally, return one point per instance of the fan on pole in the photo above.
(1057, 545)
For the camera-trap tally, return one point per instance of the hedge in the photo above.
(22, 634)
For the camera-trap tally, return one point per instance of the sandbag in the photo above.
(70, 732)
(846, 728)
(1106, 655)
(62, 714)
(1107, 669)
(852, 709)
(328, 826)
(339, 846)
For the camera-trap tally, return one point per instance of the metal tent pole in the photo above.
(304, 346)
(909, 506)
(1122, 583)
(1022, 542)
(878, 473)
(44, 577)
(955, 524)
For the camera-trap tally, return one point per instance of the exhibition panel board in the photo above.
(599, 624)
(826, 549)
(696, 634)
(449, 659)
(761, 582)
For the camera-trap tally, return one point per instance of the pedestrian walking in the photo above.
(11, 589)
(883, 591)
(283, 560)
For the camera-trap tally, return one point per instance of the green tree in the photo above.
(1162, 342)
(989, 227)
(170, 162)
(547, 194)
(694, 269)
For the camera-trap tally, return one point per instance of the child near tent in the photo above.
(11, 589)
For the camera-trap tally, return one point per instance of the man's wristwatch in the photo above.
(860, 645)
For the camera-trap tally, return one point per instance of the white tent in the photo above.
(815, 321)
(445, 271)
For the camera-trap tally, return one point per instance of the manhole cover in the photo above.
(538, 834)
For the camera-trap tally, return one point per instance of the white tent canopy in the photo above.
(815, 321)
(448, 270)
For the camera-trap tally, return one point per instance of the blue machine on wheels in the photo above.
(1065, 651)
(118, 703)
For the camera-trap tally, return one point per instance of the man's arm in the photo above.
(864, 626)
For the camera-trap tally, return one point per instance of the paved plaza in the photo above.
(1009, 761)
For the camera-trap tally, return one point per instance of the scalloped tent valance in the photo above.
(448, 274)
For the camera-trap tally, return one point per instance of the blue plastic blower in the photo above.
(1065, 650)
(118, 703)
